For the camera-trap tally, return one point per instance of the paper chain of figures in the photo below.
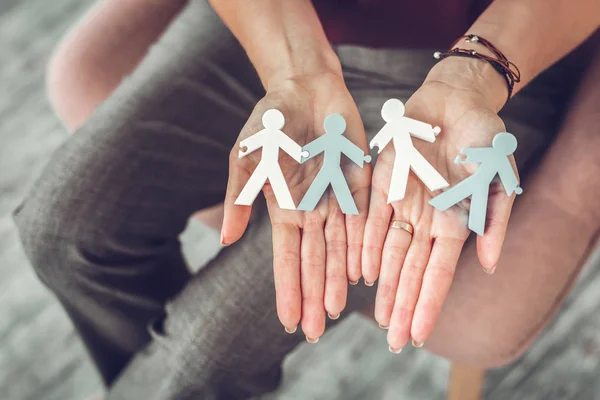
(399, 129)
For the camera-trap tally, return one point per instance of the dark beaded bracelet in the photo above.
(507, 69)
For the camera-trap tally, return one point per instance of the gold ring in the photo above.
(402, 225)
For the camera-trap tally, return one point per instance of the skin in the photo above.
(317, 252)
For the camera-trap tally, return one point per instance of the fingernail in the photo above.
(354, 283)
(417, 344)
(395, 351)
(333, 317)
(223, 240)
(383, 326)
(290, 331)
(490, 270)
(311, 340)
(369, 283)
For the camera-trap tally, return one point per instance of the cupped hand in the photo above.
(415, 272)
(312, 250)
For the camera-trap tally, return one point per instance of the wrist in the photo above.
(305, 61)
(472, 75)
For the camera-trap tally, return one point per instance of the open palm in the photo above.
(311, 248)
(415, 272)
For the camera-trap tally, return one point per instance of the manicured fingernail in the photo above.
(223, 240)
(290, 331)
(369, 283)
(311, 340)
(490, 270)
(333, 316)
(354, 283)
(393, 350)
(417, 344)
(383, 326)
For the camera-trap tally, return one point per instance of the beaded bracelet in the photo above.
(507, 69)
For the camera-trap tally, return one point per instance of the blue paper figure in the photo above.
(494, 161)
(333, 144)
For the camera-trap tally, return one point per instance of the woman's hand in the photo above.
(415, 273)
(311, 249)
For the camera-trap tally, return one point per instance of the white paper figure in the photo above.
(400, 129)
(271, 139)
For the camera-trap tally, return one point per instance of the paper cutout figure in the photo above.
(333, 144)
(493, 161)
(271, 139)
(400, 129)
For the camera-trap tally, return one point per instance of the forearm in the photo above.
(282, 38)
(532, 34)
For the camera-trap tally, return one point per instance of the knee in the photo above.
(47, 233)
(42, 243)
(56, 234)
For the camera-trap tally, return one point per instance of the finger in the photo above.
(409, 287)
(313, 277)
(286, 272)
(395, 249)
(436, 285)
(235, 217)
(356, 232)
(376, 230)
(489, 246)
(336, 280)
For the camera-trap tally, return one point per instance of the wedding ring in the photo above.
(402, 225)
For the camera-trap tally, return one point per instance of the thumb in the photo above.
(489, 246)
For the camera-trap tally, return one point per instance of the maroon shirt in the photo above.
(398, 23)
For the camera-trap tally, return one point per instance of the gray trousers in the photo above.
(101, 224)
